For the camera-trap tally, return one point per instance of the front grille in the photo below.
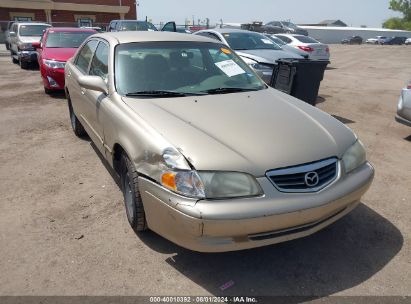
(305, 178)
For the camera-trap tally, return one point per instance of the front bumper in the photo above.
(28, 56)
(236, 224)
(53, 79)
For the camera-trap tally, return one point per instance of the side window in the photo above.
(118, 26)
(214, 36)
(99, 64)
(84, 57)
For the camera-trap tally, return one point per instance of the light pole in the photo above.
(137, 5)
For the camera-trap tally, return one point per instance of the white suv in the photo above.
(22, 35)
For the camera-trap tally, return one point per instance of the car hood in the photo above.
(267, 56)
(247, 132)
(29, 39)
(59, 54)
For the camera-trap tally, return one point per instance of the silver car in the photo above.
(404, 106)
(22, 35)
(257, 50)
(208, 155)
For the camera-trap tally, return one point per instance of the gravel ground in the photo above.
(63, 229)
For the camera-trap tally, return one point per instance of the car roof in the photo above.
(228, 30)
(70, 29)
(142, 36)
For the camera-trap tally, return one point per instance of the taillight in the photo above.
(409, 86)
(306, 48)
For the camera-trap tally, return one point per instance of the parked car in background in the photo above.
(255, 49)
(408, 41)
(22, 36)
(404, 106)
(394, 41)
(352, 40)
(184, 30)
(209, 156)
(95, 28)
(315, 49)
(134, 25)
(376, 40)
(275, 27)
(286, 47)
(58, 45)
(7, 34)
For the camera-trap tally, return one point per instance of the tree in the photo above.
(402, 6)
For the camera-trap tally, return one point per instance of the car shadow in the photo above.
(408, 138)
(337, 258)
(320, 99)
(343, 119)
(57, 94)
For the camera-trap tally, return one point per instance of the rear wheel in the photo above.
(132, 198)
(75, 123)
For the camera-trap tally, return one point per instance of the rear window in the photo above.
(305, 39)
(66, 39)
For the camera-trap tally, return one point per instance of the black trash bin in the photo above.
(299, 78)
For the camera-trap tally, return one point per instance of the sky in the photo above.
(371, 13)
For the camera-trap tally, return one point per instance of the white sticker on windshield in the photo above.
(267, 41)
(230, 68)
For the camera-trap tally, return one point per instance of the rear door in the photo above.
(80, 67)
(95, 101)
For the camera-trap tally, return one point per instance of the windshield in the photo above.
(32, 30)
(137, 26)
(305, 39)
(181, 67)
(249, 41)
(276, 40)
(66, 39)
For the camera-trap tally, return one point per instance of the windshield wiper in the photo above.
(228, 90)
(162, 93)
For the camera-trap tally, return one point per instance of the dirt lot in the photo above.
(63, 229)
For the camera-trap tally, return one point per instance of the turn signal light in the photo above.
(168, 180)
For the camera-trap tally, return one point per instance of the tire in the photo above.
(76, 125)
(132, 198)
(12, 57)
(7, 46)
(24, 65)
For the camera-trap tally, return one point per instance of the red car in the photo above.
(58, 45)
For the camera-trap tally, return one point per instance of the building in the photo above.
(68, 12)
(330, 35)
(332, 23)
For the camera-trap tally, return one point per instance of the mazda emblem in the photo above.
(311, 179)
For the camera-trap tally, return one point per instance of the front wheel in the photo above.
(23, 64)
(132, 198)
(75, 123)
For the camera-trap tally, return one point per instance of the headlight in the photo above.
(211, 185)
(26, 47)
(53, 64)
(354, 157)
(265, 71)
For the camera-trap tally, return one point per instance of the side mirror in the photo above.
(36, 45)
(12, 34)
(94, 83)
